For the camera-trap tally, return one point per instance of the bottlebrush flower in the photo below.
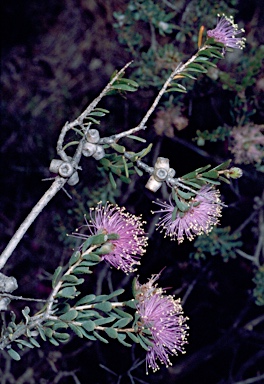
(225, 32)
(203, 214)
(125, 251)
(162, 315)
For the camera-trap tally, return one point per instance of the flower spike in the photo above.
(225, 32)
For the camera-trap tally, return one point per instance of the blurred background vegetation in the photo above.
(56, 58)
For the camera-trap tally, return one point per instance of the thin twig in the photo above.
(45, 199)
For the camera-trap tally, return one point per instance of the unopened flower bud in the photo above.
(235, 172)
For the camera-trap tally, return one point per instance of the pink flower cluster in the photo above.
(225, 32)
(247, 144)
(126, 250)
(162, 315)
(203, 214)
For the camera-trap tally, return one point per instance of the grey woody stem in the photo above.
(45, 199)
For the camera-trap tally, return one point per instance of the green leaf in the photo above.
(12, 353)
(104, 320)
(56, 275)
(101, 110)
(131, 303)
(144, 152)
(88, 325)
(94, 240)
(196, 184)
(189, 175)
(99, 337)
(62, 337)
(210, 181)
(91, 257)
(54, 342)
(93, 120)
(196, 68)
(142, 343)
(59, 325)
(185, 74)
(48, 332)
(25, 313)
(41, 332)
(69, 316)
(133, 137)
(222, 166)
(212, 174)
(105, 306)
(34, 342)
(76, 329)
(24, 342)
(174, 213)
(139, 172)
(121, 323)
(69, 278)
(81, 270)
(87, 335)
(121, 338)
(68, 292)
(112, 180)
(184, 195)
(215, 53)
(118, 148)
(74, 258)
(85, 300)
(123, 87)
(183, 207)
(125, 179)
(133, 337)
(175, 87)
(202, 169)
(115, 293)
(111, 333)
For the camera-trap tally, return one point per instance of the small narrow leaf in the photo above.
(122, 323)
(41, 332)
(115, 293)
(34, 342)
(12, 353)
(24, 342)
(76, 330)
(118, 148)
(69, 316)
(54, 342)
(56, 275)
(184, 195)
(81, 270)
(105, 307)
(133, 137)
(121, 338)
(68, 292)
(85, 300)
(112, 180)
(75, 257)
(222, 166)
(133, 337)
(212, 174)
(88, 325)
(99, 337)
(111, 333)
(91, 257)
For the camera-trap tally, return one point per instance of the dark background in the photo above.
(56, 57)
